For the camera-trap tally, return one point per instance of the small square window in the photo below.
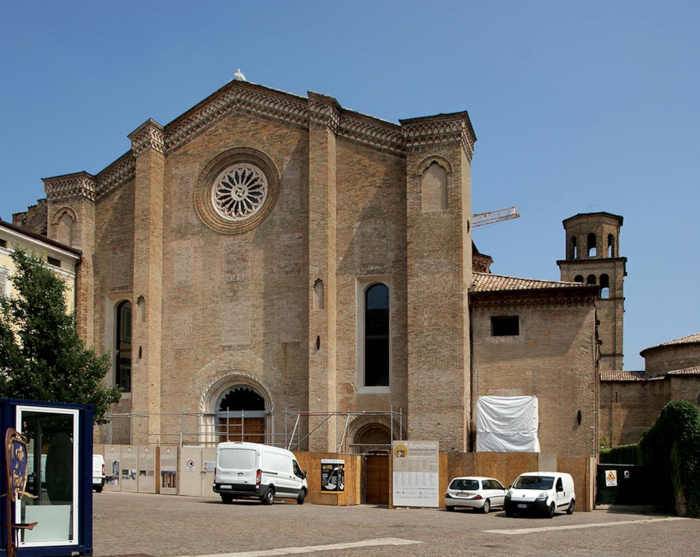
(505, 326)
(53, 261)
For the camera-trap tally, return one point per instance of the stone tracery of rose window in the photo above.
(239, 192)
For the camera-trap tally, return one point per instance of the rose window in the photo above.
(239, 192)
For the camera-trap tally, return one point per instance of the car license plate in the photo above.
(522, 506)
(225, 486)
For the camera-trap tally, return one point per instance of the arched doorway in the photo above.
(374, 442)
(372, 438)
(240, 415)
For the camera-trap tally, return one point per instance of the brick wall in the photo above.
(553, 358)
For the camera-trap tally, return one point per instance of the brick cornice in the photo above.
(149, 135)
(427, 132)
(378, 134)
(415, 134)
(119, 172)
(78, 185)
(236, 96)
(324, 112)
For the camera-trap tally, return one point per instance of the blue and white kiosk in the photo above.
(46, 485)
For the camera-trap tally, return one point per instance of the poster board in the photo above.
(190, 471)
(208, 468)
(112, 467)
(129, 468)
(168, 470)
(147, 462)
(332, 475)
(416, 473)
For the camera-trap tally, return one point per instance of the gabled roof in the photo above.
(250, 98)
(488, 282)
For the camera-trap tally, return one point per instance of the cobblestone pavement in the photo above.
(160, 525)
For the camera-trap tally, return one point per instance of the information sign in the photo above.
(416, 474)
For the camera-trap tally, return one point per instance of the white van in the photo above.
(98, 472)
(543, 492)
(255, 471)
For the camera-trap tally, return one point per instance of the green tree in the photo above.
(41, 355)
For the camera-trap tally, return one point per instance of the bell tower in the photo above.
(593, 257)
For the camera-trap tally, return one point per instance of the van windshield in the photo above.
(239, 459)
(534, 482)
(465, 485)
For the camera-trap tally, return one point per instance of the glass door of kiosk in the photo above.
(52, 478)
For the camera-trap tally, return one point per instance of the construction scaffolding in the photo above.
(395, 419)
(208, 429)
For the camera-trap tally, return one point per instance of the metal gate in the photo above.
(623, 484)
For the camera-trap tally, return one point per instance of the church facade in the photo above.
(273, 265)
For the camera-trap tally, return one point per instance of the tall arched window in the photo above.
(574, 248)
(376, 360)
(592, 246)
(604, 286)
(611, 245)
(590, 279)
(122, 347)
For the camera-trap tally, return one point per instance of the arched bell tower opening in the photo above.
(593, 251)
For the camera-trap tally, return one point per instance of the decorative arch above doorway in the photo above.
(236, 407)
(241, 415)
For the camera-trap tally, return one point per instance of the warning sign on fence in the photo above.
(611, 478)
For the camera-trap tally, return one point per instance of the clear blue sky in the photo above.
(578, 107)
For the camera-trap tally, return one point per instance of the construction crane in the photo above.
(490, 217)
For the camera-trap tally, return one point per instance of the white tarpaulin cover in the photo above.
(506, 424)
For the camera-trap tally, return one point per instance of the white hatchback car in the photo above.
(475, 492)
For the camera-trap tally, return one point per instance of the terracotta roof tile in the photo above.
(686, 371)
(683, 340)
(688, 339)
(620, 375)
(488, 282)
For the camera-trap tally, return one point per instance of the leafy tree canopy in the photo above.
(41, 355)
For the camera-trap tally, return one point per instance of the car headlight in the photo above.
(542, 496)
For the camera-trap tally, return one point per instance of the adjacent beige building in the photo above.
(272, 267)
(63, 260)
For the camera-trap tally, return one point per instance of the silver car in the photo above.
(475, 492)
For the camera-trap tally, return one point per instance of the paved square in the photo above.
(162, 525)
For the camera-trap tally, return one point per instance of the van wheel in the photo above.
(226, 499)
(449, 508)
(571, 507)
(487, 507)
(269, 497)
(301, 497)
(550, 512)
